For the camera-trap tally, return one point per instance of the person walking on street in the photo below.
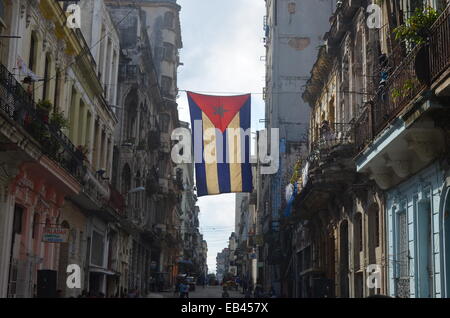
(258, 291)
(184, 290)
(225, 293)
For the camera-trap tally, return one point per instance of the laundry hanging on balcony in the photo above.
(221, 139)
(291, 193)
(24, 70)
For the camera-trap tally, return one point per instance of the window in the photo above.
(126, 179)
(164, 120)
(166, 84)
(168, 20)
(33, 52)
(162, 169)
(45, 91)
(57, 88)
(377, 227)
(97, 249)
(2, 10)
(17, 223)
(359, 231)
(168, 51)
(35, 228)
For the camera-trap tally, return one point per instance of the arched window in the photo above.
(358, 233)
(137, 202)
(130, 115)
(72, 114)
(47, 77)
(33, 52)
(57, 89)
(344, 270)
(35, 229)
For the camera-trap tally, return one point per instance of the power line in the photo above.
(272, 93)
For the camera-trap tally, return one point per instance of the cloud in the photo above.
(222, 50)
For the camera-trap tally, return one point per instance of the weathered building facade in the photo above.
(146, 174)
(402, 142)
(51, 96)
(293, 30)
(370, 197)
(85, 149)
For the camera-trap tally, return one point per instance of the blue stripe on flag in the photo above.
(200, 172)
(223, 169)
(244, 117)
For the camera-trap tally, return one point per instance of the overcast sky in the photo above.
(222, 50)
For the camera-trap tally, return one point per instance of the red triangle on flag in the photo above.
(220, 109)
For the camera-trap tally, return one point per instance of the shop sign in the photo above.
(55, 235)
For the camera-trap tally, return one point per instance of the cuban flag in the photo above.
(221, 139)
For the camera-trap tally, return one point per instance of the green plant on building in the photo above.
(417, 27)
(58, 120)
(404, 90)
(297, 172)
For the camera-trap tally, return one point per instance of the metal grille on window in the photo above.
(403, 257)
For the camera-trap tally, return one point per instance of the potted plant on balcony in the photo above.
(43, 108)
(37, 126)
(415, 33)
(417, 27)
(58, 120)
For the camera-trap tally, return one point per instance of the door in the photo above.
(402, 281)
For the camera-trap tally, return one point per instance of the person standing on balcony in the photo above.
(326, 134)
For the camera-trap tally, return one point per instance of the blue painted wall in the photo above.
(421, 197)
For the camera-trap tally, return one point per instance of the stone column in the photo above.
(98, 145)
(74, 120)
(92, 138)
(83, 125)
(6, 224)
(104, 150)
(111, 154)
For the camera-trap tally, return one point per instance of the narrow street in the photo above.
(299, 149)
(200, 292)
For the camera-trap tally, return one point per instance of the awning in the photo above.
(103, 271)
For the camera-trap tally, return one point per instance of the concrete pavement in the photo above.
(200, 292)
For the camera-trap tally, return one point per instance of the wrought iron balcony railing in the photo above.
(330, 136)
(440, 45)
(413, 76)
(19, 106)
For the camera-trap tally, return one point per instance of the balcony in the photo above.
(341, 21)
(331, 138)
(401, 130)
(18, 106)
(117, 201)
(439, 46)
(128, 72)
(414, 79)
(328, 168)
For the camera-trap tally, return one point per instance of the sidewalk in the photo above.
(163, 294)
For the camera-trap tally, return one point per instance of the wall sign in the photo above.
(55, 235)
